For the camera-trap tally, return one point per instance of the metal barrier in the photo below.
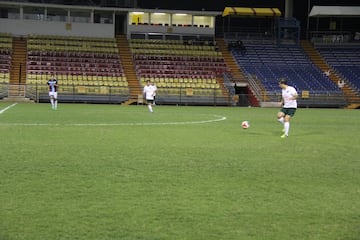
(81, 94)
(173, 96)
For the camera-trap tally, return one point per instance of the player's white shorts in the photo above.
(53, 94)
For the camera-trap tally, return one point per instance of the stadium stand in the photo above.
(346, 62)
(82, 65)
(269, 62)
(5, 63)
(186, 69)
(5, 57)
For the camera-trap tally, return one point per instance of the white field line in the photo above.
(7, 108)
(217, 119)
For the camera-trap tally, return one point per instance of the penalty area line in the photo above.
(7, 108)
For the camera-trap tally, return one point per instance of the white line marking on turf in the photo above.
(217, 119)
(7, 108)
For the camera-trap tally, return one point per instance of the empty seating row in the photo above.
(162, 47)
(184, 66)
(79, 80)
(271, 53)
(170, 73)
(337, 56)
(209, 62)
(36, 59)
(4, 77)
(174, 41)
(5, 41)
(107, 69)
(178, 69)
(159, 78)
(55, 43)
(172, 46)
(179, 59)
(175, 52)
(69, 54)
(185, 85)
(5, 44)
(71, 93)
(181, 65)
(196, 92)
(182, 82)
(5, 61)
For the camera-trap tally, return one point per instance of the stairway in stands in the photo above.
(236, 72)
(230, 62)
(18, 70)
(319, 61)
(220, 79)
(129, 69)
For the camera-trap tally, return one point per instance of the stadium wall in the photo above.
(26, 27)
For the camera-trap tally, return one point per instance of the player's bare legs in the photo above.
(280, 117)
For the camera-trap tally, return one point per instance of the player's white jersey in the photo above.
(149, 92)
(289, 95)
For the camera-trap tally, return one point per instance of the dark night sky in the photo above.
(209, 5)
(299, 10)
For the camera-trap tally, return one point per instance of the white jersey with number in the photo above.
(289, 95)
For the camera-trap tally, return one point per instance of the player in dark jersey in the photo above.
(53, 91)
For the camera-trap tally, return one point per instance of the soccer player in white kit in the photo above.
(289, 106)
(149, 94)
(53, 88)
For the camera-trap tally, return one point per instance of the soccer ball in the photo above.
(245, 125)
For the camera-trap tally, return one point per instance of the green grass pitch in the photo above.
(105, 172)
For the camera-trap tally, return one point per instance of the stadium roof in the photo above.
(244, 11)
(335, 11)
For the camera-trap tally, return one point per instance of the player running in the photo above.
(289, 106)
(149, 94)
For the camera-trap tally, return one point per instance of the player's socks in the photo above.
(150, 108)
(281, 120)
(286, 127)
(52, 103)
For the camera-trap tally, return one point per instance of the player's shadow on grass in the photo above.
(249, 132)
